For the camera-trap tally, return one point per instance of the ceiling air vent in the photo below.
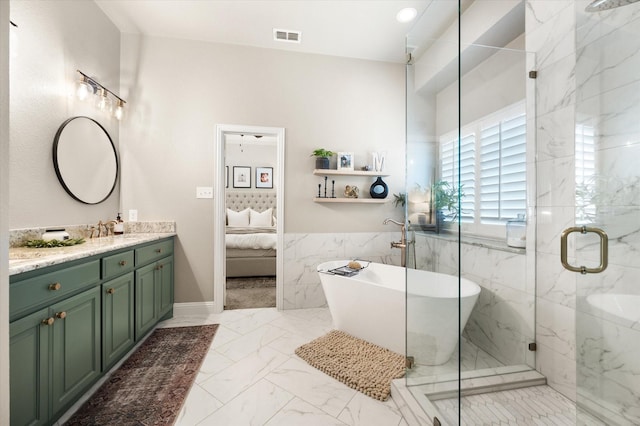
(287, 35)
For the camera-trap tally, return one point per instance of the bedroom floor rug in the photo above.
(361, 365)
(251, 292)
(150, 387)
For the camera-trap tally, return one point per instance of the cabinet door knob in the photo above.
(161, 266)
(159, 250)
(55, 286)
(48, 321)
(61, 315)
(123, 262)
(111, 290)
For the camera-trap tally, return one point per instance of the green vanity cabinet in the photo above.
(29, 374)
(154, 294)
(76, 360)
(117, 318)
(55, 356)
(72, 321)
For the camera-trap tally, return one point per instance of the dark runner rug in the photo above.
(150, 387)
(361, 365)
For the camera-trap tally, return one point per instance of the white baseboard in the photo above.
(193, 308)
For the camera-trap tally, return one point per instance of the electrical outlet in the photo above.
(204, 192)
(133, 215)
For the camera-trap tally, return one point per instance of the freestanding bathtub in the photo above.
(371, 306)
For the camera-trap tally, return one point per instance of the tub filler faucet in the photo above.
(402, 244)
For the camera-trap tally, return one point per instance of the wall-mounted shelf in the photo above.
(333, 172)
(351, 200)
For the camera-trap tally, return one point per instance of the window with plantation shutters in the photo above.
(464, 159)
(503, 172)
(490, 164)
(585, 169)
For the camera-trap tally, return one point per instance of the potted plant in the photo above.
(400, 199)
(322, 157)
(445, 201)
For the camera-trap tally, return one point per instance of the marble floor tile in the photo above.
(298, 412)
(198, 405)
(254, 406)
(302, 380)
(251, 376)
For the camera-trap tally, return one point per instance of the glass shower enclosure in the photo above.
(548, 145)
(470, 168)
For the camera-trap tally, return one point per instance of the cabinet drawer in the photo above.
(117, 264)
(154, 251)
(29, 293)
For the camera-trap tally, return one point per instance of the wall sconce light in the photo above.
(87, 86)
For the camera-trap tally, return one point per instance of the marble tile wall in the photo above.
(304, 252)
(608, 101)
(550, 34)
(588, 77)
(502, 322)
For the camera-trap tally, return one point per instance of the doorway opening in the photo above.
(249, 217)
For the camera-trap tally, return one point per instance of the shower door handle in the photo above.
(604, 249)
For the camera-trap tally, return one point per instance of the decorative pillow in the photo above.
(260, 219)
(238, 218)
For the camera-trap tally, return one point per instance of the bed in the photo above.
(251, 239)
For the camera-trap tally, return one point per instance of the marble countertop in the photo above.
(23, 259)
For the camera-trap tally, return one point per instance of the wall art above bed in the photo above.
(241, 177)
(264, 177)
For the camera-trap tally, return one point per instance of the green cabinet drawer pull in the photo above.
(61, 315)
(55, 286)
(111, 290)
(159, 250)
(122, 262)
(48, 321)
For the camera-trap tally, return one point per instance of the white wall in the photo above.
(252, 155)
(179, 90)
(4, 213)
(55, 39)
(491, 86)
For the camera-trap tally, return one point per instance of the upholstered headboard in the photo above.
(258, 201)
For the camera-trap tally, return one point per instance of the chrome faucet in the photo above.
(402, 244)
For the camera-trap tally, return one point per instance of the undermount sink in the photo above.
(624, 306)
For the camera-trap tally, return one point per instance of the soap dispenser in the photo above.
(118, 227)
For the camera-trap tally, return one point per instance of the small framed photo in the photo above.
(264, 177)
(241, 177)
(345, 161)
(226, 177)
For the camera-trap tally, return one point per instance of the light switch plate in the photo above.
(133, 215)
(204, 192)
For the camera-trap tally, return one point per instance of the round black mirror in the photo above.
(85, 160)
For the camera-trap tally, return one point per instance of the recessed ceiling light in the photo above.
(407, 14)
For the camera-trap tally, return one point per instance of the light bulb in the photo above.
(84, 89)
(103, 102)
(119, 109)
(407, 14)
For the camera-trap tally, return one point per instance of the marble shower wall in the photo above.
(550, 34)
(304, 252)
(608, 102)
(502, 322)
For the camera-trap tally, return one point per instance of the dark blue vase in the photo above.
(379, 189)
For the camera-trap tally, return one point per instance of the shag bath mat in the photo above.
(150, 387)
(361, 365)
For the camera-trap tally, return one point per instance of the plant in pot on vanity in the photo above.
(322, 157)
